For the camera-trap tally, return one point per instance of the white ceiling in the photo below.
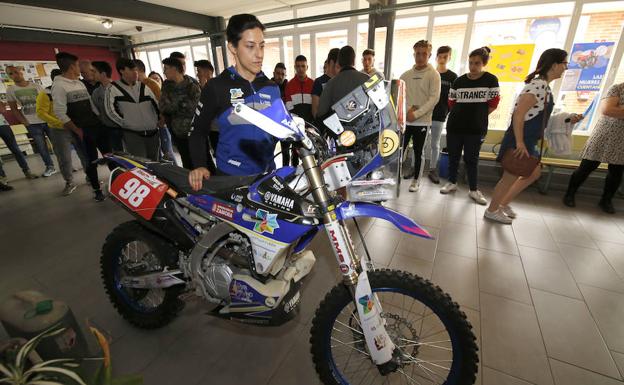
(20, 15)
(12, 14)
(227, 8)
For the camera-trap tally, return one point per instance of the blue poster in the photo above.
(588, 65)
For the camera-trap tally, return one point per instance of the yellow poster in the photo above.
(510, 63)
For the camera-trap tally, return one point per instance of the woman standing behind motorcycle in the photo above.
(243, 149)
(534, 101)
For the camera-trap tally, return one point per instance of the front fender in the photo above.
(348, 210)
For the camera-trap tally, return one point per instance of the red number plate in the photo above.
(139, 191)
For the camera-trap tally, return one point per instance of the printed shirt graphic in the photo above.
(26, 98)
(469, 101)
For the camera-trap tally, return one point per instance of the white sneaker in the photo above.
(497, 216)
(49, 171)
(448, 188)
(414, 186)
(507, 210)
(478, 197)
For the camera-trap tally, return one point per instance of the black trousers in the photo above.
(289, 152)
(418, 134)
(471, 145)
(92, 139)
(182, 144)
(612, 181)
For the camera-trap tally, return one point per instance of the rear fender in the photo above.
(348, 210)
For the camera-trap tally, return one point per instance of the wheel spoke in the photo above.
(350, 347)
(407, 376)
(349, 327)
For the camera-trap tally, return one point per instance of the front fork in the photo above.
(354, 273)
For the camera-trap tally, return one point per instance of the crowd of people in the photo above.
(146, 116)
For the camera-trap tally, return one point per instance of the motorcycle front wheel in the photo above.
(423, 322)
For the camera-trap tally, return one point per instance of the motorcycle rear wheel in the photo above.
(433, 334)
(130, 250)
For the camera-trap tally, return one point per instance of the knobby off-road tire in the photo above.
(450, 318)
(130, 302)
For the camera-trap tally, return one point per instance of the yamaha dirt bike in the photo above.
(241, 244)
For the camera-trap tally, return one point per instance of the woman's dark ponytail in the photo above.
(547, 59)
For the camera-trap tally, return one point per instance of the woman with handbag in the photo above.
(518, 152)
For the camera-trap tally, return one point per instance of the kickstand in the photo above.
(369, 260)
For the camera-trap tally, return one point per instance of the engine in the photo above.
(231, 256)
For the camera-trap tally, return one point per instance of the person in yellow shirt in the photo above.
(62, 139)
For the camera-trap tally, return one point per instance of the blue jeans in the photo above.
(436, 133)
(9, 139)
(166, 145)
(38, 132)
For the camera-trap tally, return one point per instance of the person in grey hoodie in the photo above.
(134, 107)
(422, 92)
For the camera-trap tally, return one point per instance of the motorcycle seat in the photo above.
(178, 177)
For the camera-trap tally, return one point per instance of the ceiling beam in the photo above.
(50, 36)
(132, 10)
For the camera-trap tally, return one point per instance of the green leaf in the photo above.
(50, 362)
(43, 382)
(65, 372)
(4, 370)
(33, 342)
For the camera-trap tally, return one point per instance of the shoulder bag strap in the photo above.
(546, 105)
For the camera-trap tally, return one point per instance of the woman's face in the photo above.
(475, 65)
(249, 52)
(558, 69)
(156, 78)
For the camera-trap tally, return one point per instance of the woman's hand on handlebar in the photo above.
(197, 176)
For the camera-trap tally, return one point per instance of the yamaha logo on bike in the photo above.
(223, 211)
(279, 201)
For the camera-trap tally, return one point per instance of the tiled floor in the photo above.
(545, 295)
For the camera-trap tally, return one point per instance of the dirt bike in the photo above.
(241, 243)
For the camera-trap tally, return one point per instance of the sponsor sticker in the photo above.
(290, 305)
(380, 341)
(367, 304)
(240, 292)
(388, 143)
(344, 269)
(223, 211)
(267, 224)
(279, 201)
(347, 138)
(277, 183)
(236, 93)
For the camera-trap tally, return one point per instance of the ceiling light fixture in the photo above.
(107, 23)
